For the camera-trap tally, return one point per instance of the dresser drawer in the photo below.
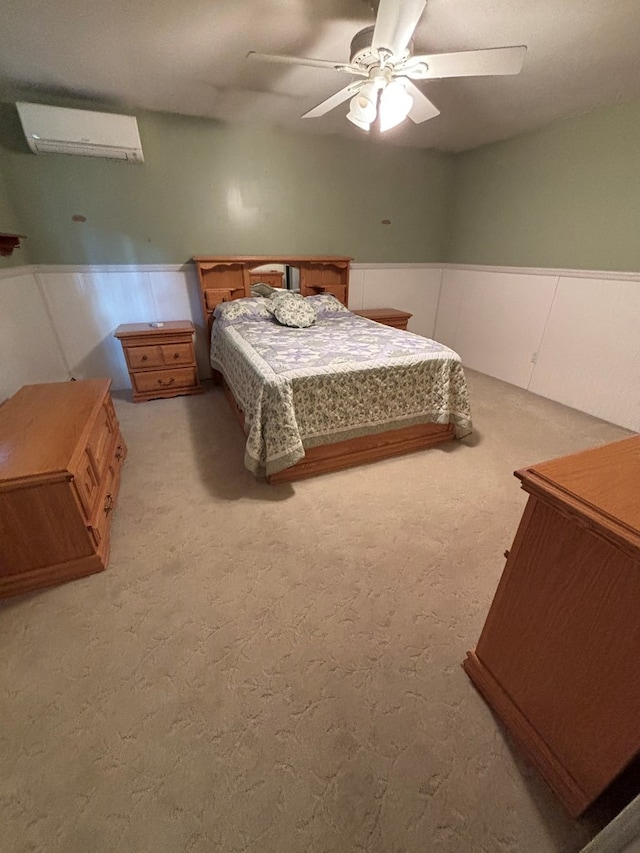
(87, 483)
(120, 450)
(102, 520)
(101, 439)
(164, 380)
(150, 356)
(111, 412)
(177, 354)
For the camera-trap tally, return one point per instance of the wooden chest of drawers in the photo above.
(386, 316)
(59, 479)
(160, 359)
(557, 659)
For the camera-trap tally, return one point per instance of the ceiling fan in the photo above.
(381, 56)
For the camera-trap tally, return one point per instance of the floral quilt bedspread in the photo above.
(343, 377)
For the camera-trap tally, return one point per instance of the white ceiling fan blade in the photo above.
(470, 63)
(422, 109)
(339, 98)
(395, 22)
(304, 60)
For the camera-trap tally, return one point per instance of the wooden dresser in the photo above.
(386, 316)
(60, 460)
(559, 655)
(160, 358)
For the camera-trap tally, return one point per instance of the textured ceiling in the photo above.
(189, 57)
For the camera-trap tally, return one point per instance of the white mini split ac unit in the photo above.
(57, 130)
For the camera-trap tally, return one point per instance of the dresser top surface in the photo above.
(381, 313)
(607, 479)
(169, 327)
(41, 426)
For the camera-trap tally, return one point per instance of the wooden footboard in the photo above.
(366, 448)
(353, 451)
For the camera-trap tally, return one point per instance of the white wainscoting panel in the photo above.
(413, 289)
(176, 296)
(500, 320)
(29, 350)
(356, 288)
(86, 308)
(57, 322)
(590, 354)
(171, 296)
(452, 292)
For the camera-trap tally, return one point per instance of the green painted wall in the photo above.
(207, 187)
(9, 224)
(565, 196)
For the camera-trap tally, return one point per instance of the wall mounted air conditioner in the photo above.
(58, 130)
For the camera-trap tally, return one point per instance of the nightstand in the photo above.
(386, 316)
(160, 359)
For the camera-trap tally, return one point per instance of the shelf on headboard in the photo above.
(9, 242)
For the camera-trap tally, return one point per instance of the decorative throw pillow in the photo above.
(291, 309)
(327, 305)
(262, 289)
(240, 310)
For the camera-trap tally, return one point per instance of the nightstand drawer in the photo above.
(164, 380)
(177, 354)
(144, 357)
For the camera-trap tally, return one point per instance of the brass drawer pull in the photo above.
(169, 382)
(108, 504)
(144, 357)
(176, 355)
(119, 452)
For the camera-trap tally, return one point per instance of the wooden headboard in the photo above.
(275, 278)
(225, 278)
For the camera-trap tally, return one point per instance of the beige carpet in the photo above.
(278, 668)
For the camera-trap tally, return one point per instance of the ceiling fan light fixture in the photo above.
(395, 105)
(363, 106)
(354, 119)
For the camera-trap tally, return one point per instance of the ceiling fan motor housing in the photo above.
(361, 53)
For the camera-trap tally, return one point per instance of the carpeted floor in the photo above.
(278, 668)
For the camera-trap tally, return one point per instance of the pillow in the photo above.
(327, 305)
(262, 289)
(291, 309)
(240, 310)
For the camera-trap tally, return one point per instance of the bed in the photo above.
(343, 391)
